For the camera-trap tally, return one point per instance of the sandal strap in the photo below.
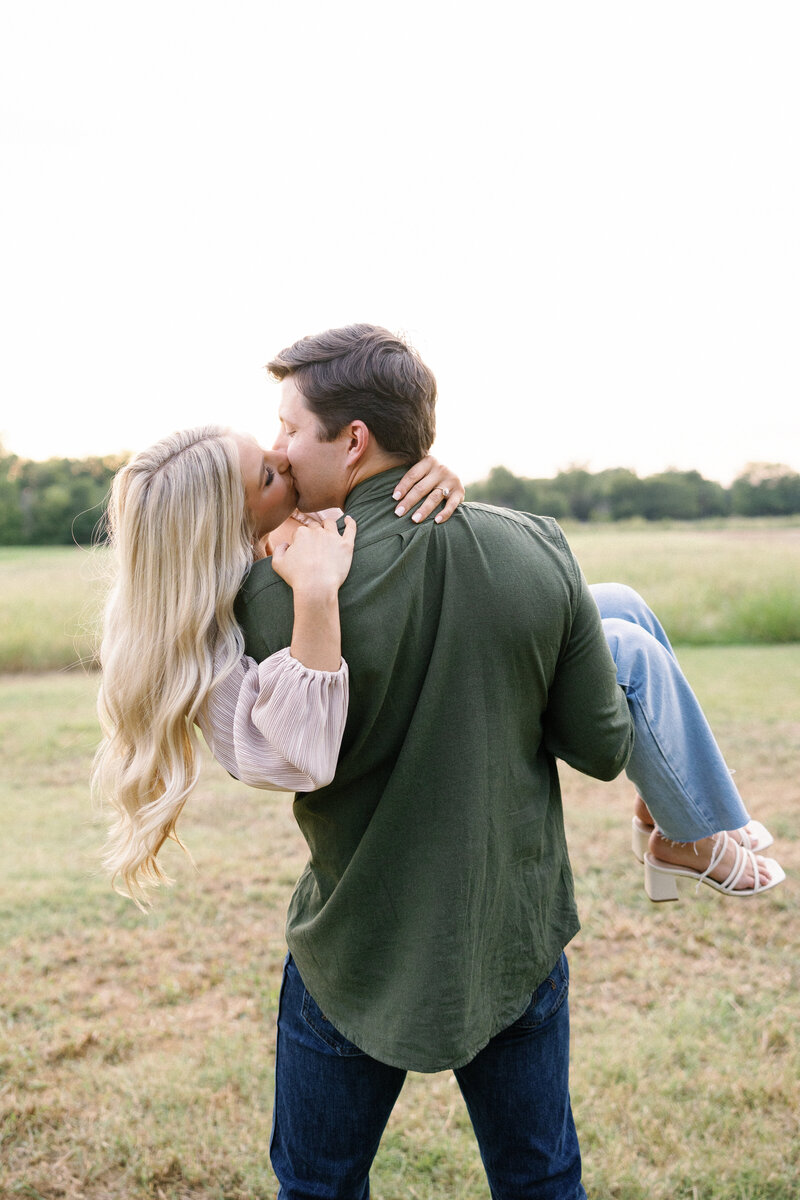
(738, 869)
(747, 841)
(740, 861)
(720, 843)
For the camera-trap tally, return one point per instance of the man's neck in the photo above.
(371, 464)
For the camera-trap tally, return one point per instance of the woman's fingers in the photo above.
(429, 484)
(412, 476)
(430, 504)
(319, 557)
(349, 532)
(452, 503)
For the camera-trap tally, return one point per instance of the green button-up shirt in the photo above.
(438, 894)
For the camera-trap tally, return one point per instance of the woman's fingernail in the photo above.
(398, 512)
(396, 495)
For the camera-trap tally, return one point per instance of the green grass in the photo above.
(50, 605)
(728, 583)
(136, 1053)
(723, 583)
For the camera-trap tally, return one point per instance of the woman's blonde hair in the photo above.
(182, 540)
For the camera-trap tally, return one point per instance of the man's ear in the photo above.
(358, 439)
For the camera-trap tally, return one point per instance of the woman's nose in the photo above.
(280, 461)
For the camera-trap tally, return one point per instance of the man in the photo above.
(427, 931)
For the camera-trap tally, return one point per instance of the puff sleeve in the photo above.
(278, 724)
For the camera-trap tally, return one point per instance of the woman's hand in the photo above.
(318, 560)
(430, 482)
(315, 566)
(286, 531)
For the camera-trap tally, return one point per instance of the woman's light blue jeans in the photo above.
(676, 764)
(332, 1102)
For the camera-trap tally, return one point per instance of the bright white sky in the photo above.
(583, 214)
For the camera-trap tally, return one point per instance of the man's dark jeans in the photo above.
(332, 1102)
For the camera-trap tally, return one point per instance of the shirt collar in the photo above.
(375, 491)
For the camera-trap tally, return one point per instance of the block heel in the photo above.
(659, 885)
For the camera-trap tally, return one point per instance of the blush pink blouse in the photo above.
(278, 724)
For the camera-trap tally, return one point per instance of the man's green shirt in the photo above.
(439, 893)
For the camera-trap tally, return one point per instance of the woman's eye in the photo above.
(269, 477)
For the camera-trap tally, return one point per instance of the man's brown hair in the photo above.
(364, 373)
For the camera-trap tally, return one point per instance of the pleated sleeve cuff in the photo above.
(278, 724)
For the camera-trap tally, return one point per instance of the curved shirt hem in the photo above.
(424, 1064)
(428, 1068)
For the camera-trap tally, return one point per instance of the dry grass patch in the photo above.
(136, 1053)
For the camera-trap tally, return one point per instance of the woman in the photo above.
(186, 518)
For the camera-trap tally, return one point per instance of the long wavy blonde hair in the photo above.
(182, 542)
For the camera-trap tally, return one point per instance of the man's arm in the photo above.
(587, 723)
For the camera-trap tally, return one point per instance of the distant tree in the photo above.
(766, 490)
(714, 499)
(681, 496)
(505, 490)
(54, 502)
(10, 511)
(625, 495)
(572, 493)
(616, 494)
(553, 500)
(581, 490)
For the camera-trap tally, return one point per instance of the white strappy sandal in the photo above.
(660, 878)
(754, 836)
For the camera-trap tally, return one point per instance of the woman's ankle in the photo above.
(641, 811)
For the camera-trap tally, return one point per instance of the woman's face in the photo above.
(269, 490)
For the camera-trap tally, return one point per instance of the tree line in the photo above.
(761, 490)
(53, 503)
(62, 500)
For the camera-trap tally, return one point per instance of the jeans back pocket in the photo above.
(548, 997)
(317, 1021)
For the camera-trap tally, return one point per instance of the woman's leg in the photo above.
(619, 600)
(676, 765)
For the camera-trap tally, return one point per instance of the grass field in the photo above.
(136, 1052)
(710, 584)
(136, 1056)
(50, 606)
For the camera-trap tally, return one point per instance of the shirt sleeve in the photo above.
(278, 724)
(587, 722)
